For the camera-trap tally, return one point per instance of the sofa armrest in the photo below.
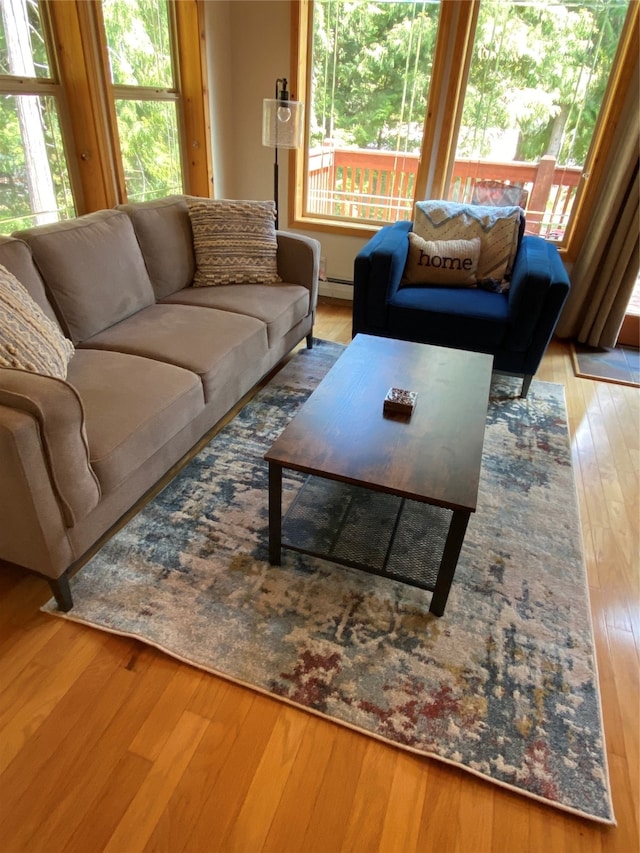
(299, 262)
(32, 529)
(378, 270)
(58, 412)
(539, 287)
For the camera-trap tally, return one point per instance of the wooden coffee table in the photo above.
(432, 457)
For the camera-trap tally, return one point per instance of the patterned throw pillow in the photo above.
(234, 242)
(29, 340)
(497, 227)
(451, 263)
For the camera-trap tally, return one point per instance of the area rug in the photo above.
(503, 685)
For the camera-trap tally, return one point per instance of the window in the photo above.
(371, 67)
(537, 80)
(497, 99)
(34, 177)
(146, 99)
(118, 113)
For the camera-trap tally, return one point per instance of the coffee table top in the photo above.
(434, 456)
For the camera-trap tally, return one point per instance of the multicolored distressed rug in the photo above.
(504, 684)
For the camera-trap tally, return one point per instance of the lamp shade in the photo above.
(282, 123)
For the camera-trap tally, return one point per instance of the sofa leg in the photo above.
(526, 381)
(310, 340)
(61, 592)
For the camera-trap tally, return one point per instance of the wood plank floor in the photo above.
(109, 745)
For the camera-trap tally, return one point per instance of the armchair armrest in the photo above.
(58, 413)
(298, 261)
(538, 290)
(378, 271)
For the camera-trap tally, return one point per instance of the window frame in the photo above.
(117, 92)
(50, 86)
(80, 51)
(456, 32)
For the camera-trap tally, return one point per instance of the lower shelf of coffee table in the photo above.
(372, 531)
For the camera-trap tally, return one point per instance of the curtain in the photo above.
(605, 272)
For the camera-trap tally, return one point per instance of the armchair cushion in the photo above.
(470, 318)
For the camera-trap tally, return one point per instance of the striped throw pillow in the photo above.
(234, 242)
(497, 227)
(29, 340)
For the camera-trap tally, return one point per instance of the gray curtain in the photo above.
(605, 272)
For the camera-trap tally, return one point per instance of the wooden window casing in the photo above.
(50, 86)
(94, 151)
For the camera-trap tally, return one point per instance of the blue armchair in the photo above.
(515, 327)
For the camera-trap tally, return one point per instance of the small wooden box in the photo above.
(400, 401)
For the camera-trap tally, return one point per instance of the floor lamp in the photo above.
(281, 126)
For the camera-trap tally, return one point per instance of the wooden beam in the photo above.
(82, 78)
(193, 87)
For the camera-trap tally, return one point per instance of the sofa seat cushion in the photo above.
(133, 406)
(216, 345)
(478, 319)
(280, 306)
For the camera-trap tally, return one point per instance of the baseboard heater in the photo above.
(333, 280)
(336, 288)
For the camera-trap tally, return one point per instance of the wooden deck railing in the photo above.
(379, 185)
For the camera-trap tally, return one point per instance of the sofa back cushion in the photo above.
(29, 340)
(93, 270)
(16, 256)
(163, 229)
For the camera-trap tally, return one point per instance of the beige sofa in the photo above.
(157, 363)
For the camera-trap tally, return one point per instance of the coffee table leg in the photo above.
(275, 513)
(449, 561)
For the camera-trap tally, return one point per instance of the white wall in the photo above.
(218, 28)
(249, 47)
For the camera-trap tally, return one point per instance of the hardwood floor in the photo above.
(108, 745)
